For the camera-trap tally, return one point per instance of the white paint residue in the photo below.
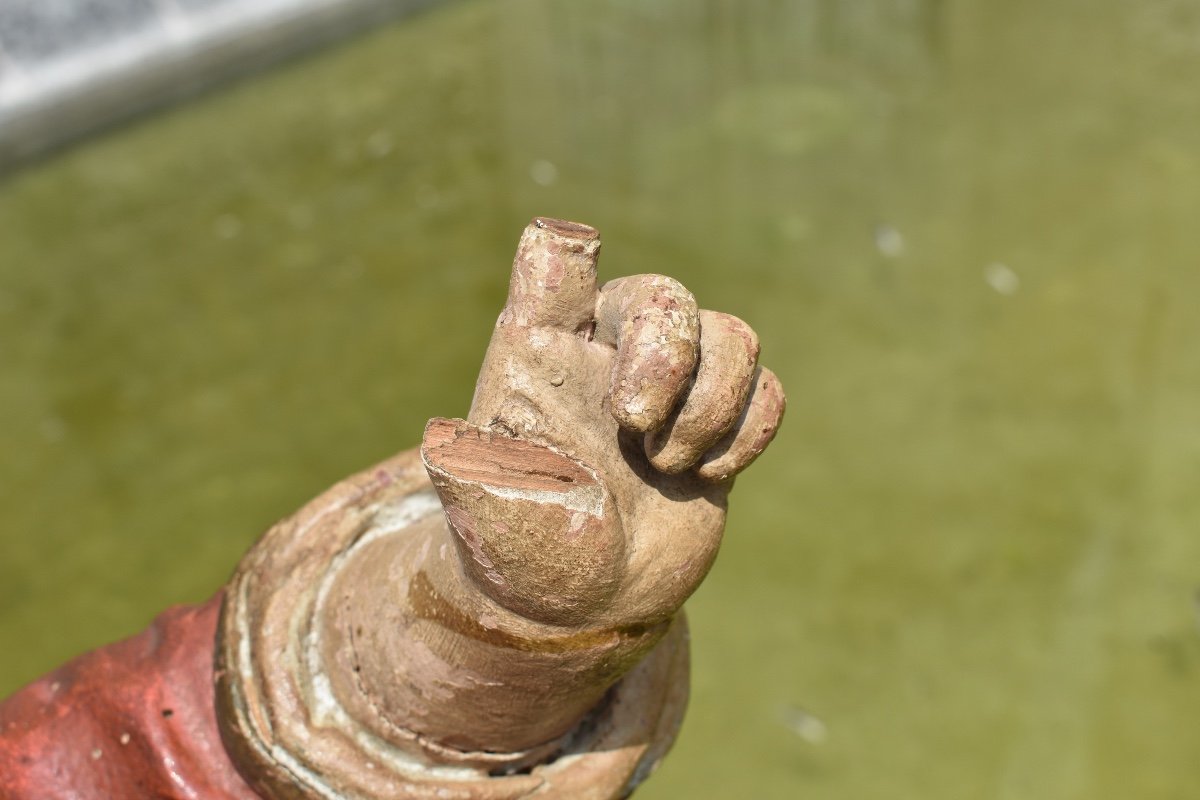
(392, 518)
(538, 339)
(518, 378)
(245, 667)
(325, 706)
(389, 519)
(310, 778)
(588, 499)
(636, 405)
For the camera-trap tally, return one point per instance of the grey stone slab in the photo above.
(37, 30)
(189, 6)
(71, 67)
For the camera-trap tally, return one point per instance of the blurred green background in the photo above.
(966, 234)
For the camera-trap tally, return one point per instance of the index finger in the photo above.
(553, 280)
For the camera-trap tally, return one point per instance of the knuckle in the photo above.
(753, 432)
(733, 329)
(668, 297)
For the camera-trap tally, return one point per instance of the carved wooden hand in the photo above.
(588, 485)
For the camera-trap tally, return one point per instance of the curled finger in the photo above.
(751, 434)
(716, 398)
(654, 323)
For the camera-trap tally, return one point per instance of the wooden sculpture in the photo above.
(497, 615)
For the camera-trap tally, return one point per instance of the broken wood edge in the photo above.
(536, 530)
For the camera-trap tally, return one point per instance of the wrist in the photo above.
(300, 703)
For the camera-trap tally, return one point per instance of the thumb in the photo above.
(537, 531)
